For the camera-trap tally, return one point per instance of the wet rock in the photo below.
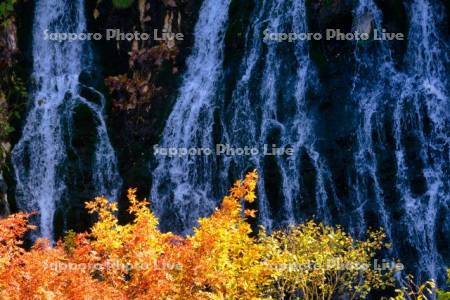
(332, 104)
(330, 14)
(395, 19)
(4, 207)
(142, 78)
(327, 12)
(8, 87)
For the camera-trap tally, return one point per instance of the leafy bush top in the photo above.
(222, 259)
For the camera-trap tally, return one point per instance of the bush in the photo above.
(445, 295)
(222, 259)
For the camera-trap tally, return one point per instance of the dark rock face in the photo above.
(4, 207)
(10, 87)
(332, 104)
(395, 19)
(142, 78)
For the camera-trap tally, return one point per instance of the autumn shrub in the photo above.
(222, 259)
(314, 261)
(445, 295)
(411, 290)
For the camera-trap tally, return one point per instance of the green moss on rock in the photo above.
(122, 4)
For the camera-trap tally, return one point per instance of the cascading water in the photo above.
(268, 107)
(40, 157)
(184, 186)
(400, 159)
(371, 90)
(414, 98)
(421, 130)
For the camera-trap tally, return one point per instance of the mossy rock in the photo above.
(122, 4)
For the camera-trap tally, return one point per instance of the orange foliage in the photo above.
(221, 260)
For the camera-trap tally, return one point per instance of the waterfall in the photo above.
(40, 158)
(371, 90)
(188, 187)
(421, 130)
(400, 150)
(414, 98)
(268, 107)
(182, 185)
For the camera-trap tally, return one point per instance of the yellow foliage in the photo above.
(222, 259)
(410, 290)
